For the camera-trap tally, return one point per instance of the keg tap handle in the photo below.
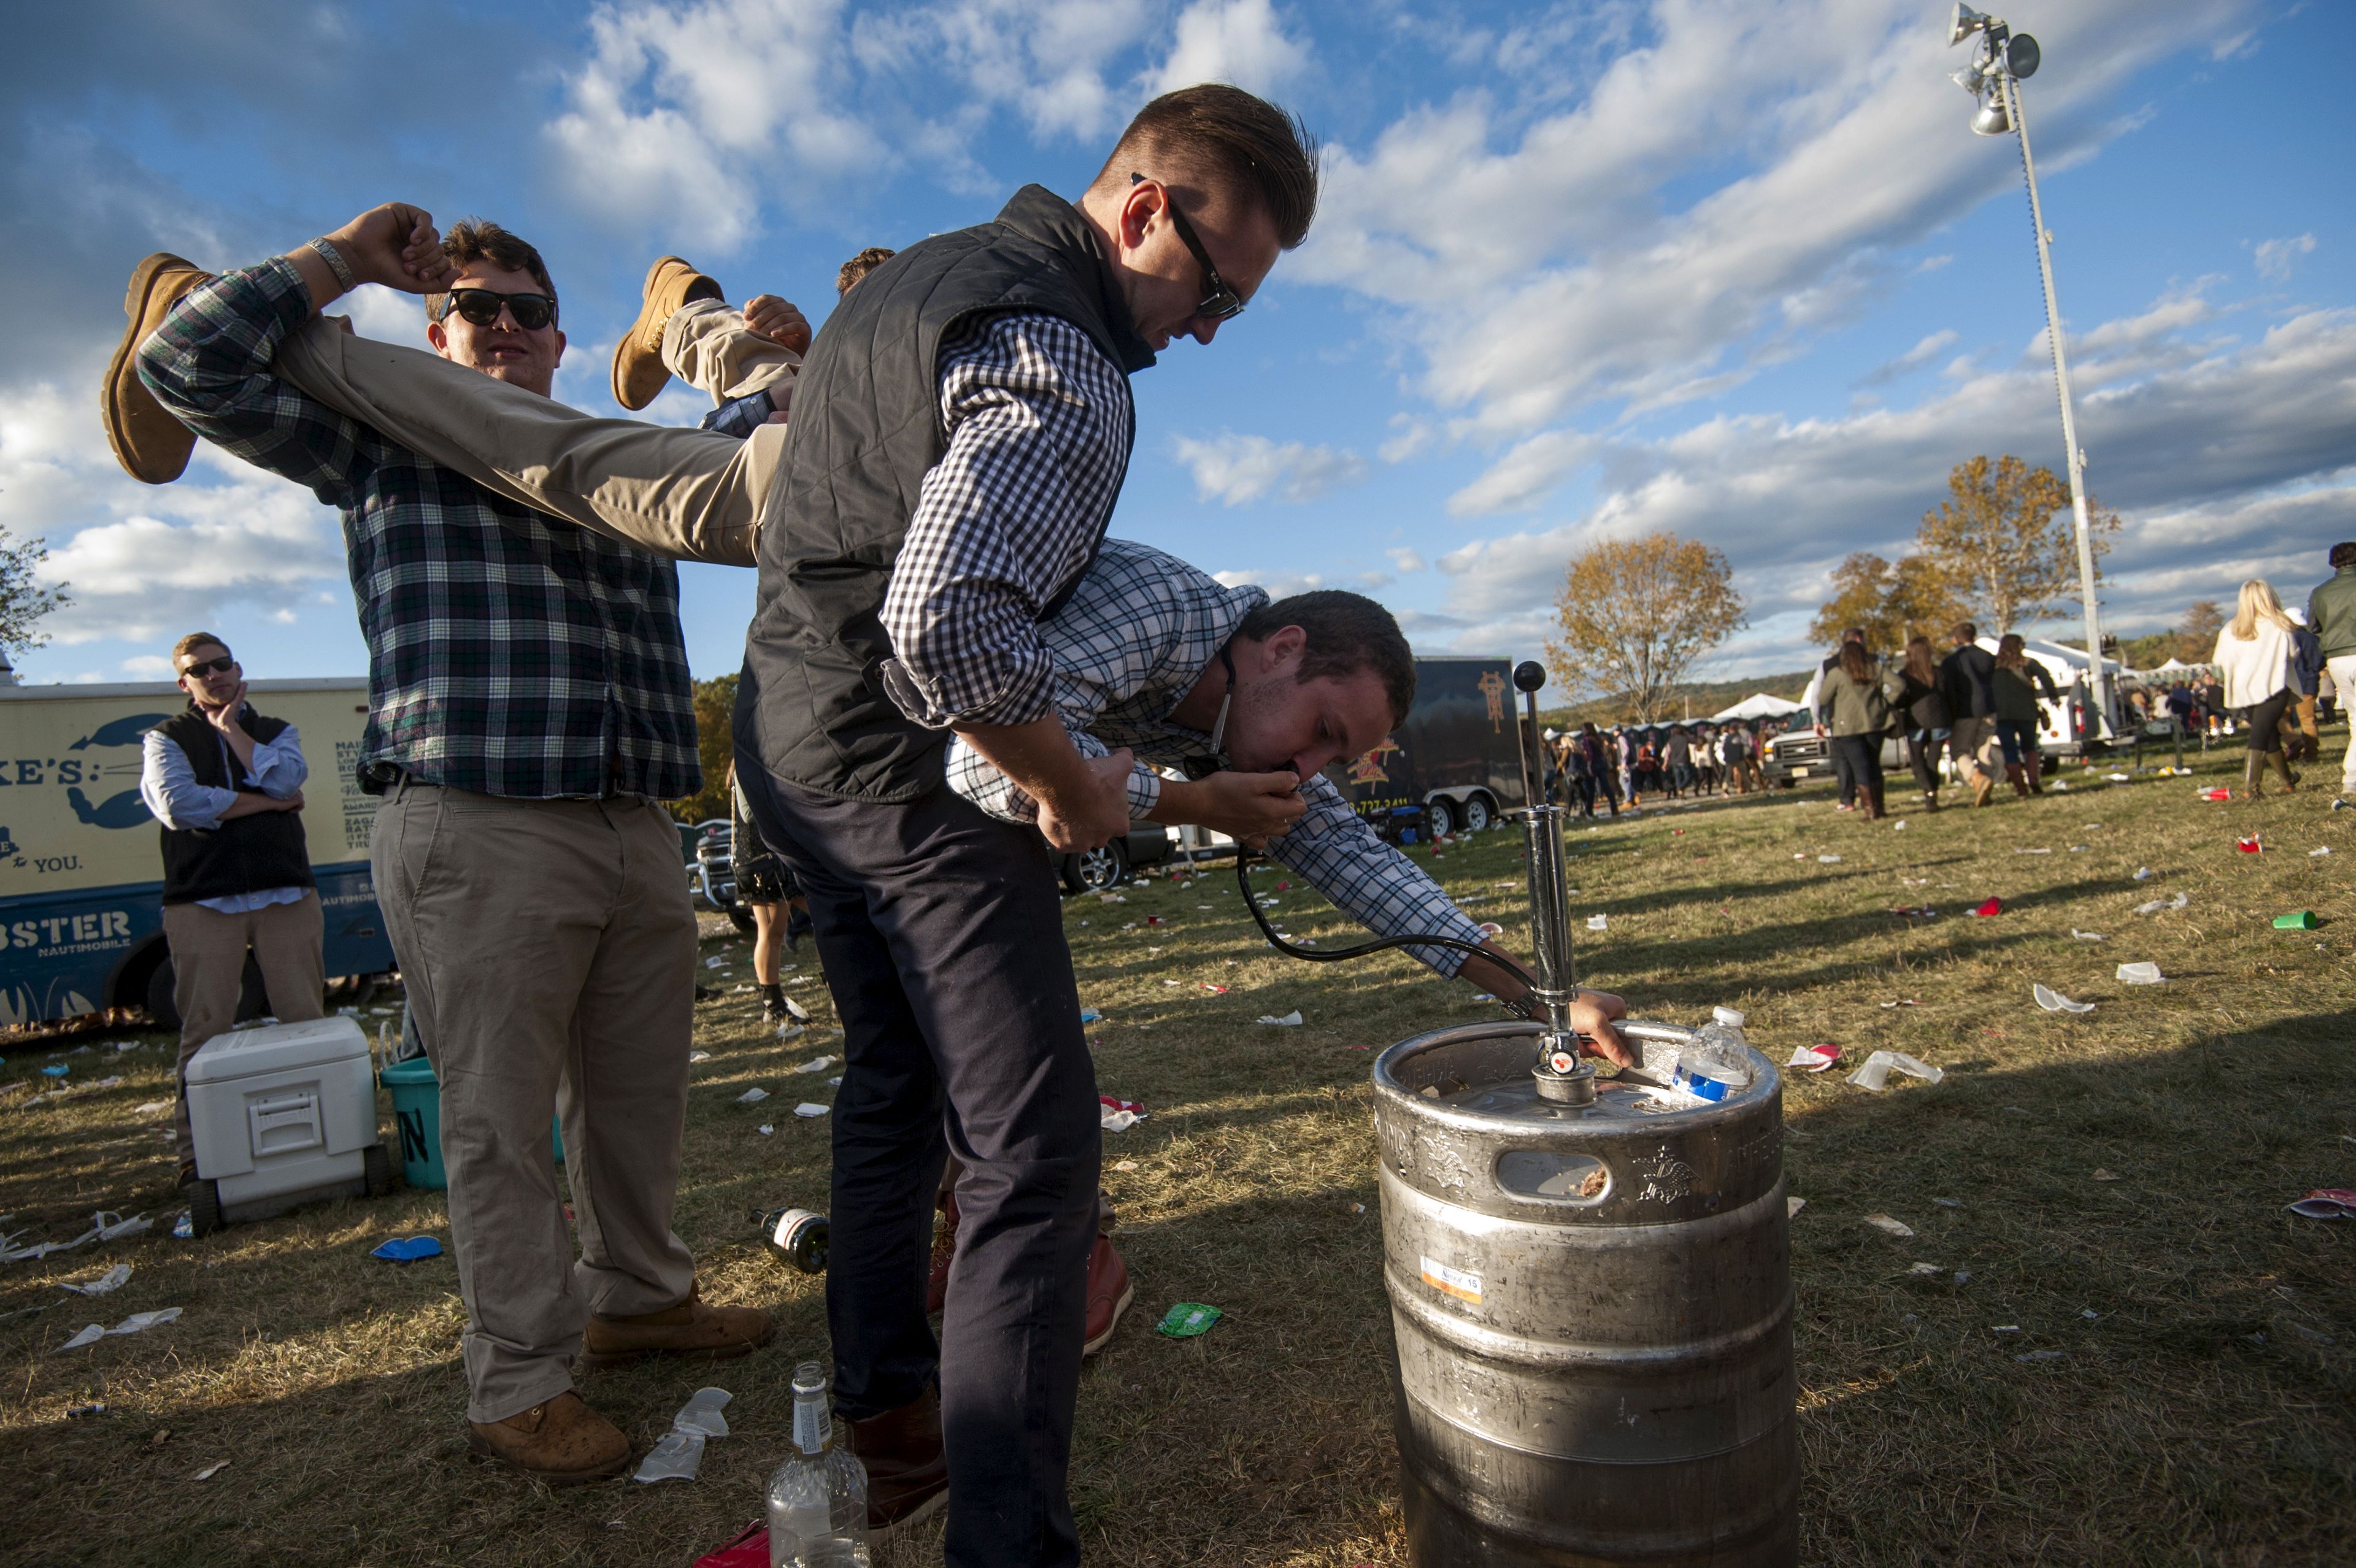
(1560, 1074)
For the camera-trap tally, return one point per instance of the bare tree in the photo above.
(2005, 542)
(1637, 615)
(23, 600)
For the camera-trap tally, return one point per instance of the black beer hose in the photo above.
(1243, 880)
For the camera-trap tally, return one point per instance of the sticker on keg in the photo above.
(1460, 1283)
(1562, 1061)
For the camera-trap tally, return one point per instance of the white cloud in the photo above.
(1914, 359)
(1405, 561)
(1278, 584)
(2276, 258)
(1237, 469)
(1238, 41)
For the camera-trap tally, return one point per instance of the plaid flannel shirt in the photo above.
(508, 654)
(1039, 426)
(1126, 648)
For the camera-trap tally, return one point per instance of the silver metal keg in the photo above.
(1593, 1306)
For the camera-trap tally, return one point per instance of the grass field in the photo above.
(2114, 1184)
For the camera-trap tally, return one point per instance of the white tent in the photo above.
(2173, 666)
(1758, 705)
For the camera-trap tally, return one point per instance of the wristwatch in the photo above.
(335, 263)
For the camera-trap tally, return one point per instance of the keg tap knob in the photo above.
(1560, 1074)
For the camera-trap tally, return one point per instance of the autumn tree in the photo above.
(715, 706)
(23, 600)
(2197, 638)
(1637, 615)
(2006, 543)
(1891, 601)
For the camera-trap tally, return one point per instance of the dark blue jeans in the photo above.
(943, 941)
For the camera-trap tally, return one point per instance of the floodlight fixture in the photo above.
(1992, 119)
(1966, 22)
(2021, 55)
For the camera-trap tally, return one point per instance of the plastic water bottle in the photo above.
(817, 1498)
(1716, 1062)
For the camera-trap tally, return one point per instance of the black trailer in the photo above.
(1452, 766)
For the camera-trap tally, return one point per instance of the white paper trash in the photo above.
(284, 1114)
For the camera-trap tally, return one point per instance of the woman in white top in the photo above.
(2253, 655)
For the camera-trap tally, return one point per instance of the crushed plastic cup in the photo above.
(1990, 906)
(1829, 860)
(818, 1065)
(1814, 1058)
(2326, 1204)
(2219, 792)
(2141, 973)
(753, 1096)
(1289, 1021)
(2088, 935)
(676, 1458)
(701, 1415)
(2314, 854)
(112, 1280)
(1187, 1319)
(1888, 1226)
(2053, 1001)
(2249, 846)
(1874, 1075)
(2157, 905)
(1597, 923)
(2143, 873)
(407, 1249)
(808, 1111)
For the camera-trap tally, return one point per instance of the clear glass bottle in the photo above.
(817, 1498)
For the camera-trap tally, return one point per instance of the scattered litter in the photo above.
(1925, 1271)
(2249, 846)
(806, 1109)
(1187, 1319)
(1948, 1202)
(406, 1250)
(2219, 792)
(59, 1071)
(2090, 1315)
(138, 1322)
(2079, 848)
(2117, 778)
(1993, 906)
(1287, 1020)
(1791, 1206)
(1118, 1115)
(2103, 1173)
(753, 1096)
(2312, 854)
(817, 1064)
(699, 1056)
(1888, 1226)
(1214, 990)
(2141, 973)
(1875, 1075)
(2156, 905)
(151, 1108)
(766, 1129)
(675, 1458)
(1814, 1058)
(2088, 935)
(86, 1410)
(1089, 1015)
(2304, 919)
(1124, 1165)
(1490, 928)
(2061, 787)
(701, 1415)
(795, 1010)
(182, 1229)
(209, 1471)
(2005, 1329)
(2032, 851)
(112, 1280)
(1596, 922)
(1897, 824)
(2053, 1001)
(2327, 1204)
(789, 1030)
(1902, 1002)
(1153, 919)
(712, 963)
(104, 1226)
(1829, 860)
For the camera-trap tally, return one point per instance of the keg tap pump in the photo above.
(1562, 1075)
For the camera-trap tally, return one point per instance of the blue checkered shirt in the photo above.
(508, 654)
(1126, 648)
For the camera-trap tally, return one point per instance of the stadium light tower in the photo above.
(2001, 61)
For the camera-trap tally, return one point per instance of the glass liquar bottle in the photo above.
(817, 1498)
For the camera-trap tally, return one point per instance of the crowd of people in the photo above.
(1604, 770)
(949, 663)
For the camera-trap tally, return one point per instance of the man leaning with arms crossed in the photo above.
(528, 706)
(226, 785)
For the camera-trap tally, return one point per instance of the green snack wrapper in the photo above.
(2303, 921)
(1187, 1319)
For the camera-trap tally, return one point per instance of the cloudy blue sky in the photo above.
(1733, 268)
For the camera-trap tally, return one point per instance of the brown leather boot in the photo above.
(907, 1473)
(1109, 1294)
(2018, 780)
(693, 1327)
(639, 370)
(561, 1441)
(2254, 773)
(2281, 764)
(150, 444)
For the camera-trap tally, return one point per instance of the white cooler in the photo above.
(284, 1114)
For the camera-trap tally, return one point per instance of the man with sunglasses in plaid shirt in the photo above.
(529, 708)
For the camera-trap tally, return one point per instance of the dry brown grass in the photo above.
(2201, 1415)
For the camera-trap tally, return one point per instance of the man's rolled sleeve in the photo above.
(1370, 880)
(279, 769)
(974, 776)
(168, 784)
(1037, 420)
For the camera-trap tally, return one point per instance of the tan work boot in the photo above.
(1982, 787)
(563, 1441)
(639, 370)
(907, 1473)
(151, 444)
(693, 1327)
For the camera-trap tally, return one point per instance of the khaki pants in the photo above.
(690, 495)
(2343, 681)
(548, 951)
(1974, 746)
(209, 972)
(707, 345)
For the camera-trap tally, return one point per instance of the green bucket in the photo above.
(417, 1112)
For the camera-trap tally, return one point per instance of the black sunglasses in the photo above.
(223, 663)
(481, 307)
(1220, 303)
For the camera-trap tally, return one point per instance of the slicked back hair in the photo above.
(1228, 141)
(1347, 633)
(191, 642)
(859, 266)
(479, 240)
